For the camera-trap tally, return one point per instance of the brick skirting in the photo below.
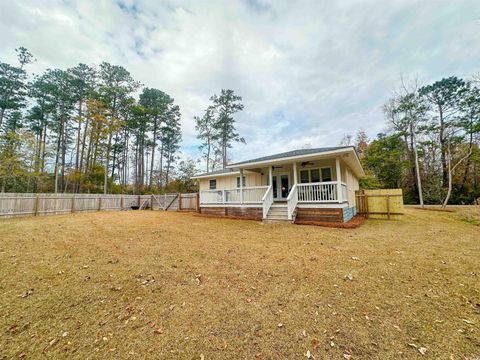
(252, 213)
(320, 214)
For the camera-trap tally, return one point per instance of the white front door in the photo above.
(281, 186)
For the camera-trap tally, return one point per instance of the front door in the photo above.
(281, 186)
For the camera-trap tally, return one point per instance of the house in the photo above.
(308, 184)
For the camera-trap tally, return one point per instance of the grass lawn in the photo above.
(148, 284)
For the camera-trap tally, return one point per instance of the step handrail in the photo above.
(267, 201)
(292, 201)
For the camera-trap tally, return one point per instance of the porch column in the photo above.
(241, 186)
(295, 178)
(339, 179)
(270, 175)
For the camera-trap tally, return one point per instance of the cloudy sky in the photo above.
(308, 71)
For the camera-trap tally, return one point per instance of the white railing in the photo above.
(267, 201)
(318, 192)
(292, 201)
(251, 195)
(211, 197)
(321, 192)
(344, 192)
(232, 196)
(254, 194)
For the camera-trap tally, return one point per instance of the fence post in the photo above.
(73, 204)
(36, 205)
(139, 196)
(197, 203)
(121, 202)
(100, 203)
(366, 206)
(388, 207)
(151, 202)
(179, 202)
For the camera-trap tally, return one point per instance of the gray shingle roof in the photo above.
(292, 153)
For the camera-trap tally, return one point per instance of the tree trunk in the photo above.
(450, 173)
(413, 156)
(153, 151)
(77, 150)
(442, 147)
(44, 149)
(2, 114)
(208, 154)
(161, 166)
(470, 146)
(114, 159)
(64, 151)
(417, 170)
(107, 160)
(57, 156)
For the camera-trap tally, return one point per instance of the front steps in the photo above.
(278, 213)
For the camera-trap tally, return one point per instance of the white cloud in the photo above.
(308, 71)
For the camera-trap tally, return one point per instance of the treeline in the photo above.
(431, 148)
(83, 130)
(216, 129)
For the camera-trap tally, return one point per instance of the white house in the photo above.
(308, 184)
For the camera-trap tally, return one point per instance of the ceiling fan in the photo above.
(305, 163)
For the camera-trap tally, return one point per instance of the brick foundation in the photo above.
(252, 213)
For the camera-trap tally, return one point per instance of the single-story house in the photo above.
(307, 184)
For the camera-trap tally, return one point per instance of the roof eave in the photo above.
(204, 176)
(291, 158)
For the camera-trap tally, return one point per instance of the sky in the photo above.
(309, 72)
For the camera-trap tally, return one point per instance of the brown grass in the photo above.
(355, 222)
(148, 284)
(470, 214)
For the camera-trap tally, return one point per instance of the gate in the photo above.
(380, 203)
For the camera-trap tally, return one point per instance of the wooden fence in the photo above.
(19, 204)
(188, 202)
(380, 203)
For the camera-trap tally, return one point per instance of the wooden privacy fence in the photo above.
(380, 203)
(19, 204)
(188, 202)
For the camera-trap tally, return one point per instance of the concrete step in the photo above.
(278, 211)
(276, 221)
(277, 217)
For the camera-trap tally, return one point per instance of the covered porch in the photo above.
(316, 181)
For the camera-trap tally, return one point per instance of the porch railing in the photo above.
(318, 192)
(251, 195)
(344, 192)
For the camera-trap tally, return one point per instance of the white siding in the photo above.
(230, 181)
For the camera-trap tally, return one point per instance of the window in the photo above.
(315, 175)
(212, 184)
(238, 181)
(327, 174)
(304, 178)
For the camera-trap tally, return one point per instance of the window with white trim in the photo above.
(212, 184)
(316, 175)
(304, 176)
(238, 181)
(326, 174)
